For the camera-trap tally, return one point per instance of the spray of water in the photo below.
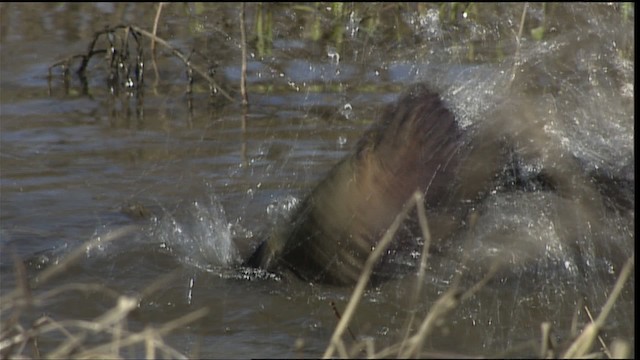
(199, 234)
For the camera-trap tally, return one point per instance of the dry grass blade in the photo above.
(125, 305)
(582, 345)
(9, 300)
(78, 252)
(154, 31)
(442, 307)
(620, 349)
(447, 302)
(364, 279)
(23, 289)
(152, 335)
(76, 334)
(410, 346)
(422, 270)
(546, 346)
(23, 297)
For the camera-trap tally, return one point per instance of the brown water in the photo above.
(73, 161)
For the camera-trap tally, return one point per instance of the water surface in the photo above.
(80, 160)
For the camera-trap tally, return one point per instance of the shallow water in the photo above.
(202, 192)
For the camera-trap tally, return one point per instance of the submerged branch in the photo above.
(121, 54)
(185, 60)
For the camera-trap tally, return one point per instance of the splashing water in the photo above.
(199, 234)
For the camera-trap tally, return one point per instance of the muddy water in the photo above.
(78, 161)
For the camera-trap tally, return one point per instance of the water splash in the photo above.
(199, 234)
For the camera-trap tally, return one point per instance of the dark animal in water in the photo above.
(413, 147)
(418, 145)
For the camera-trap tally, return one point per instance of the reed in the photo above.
(104, 336)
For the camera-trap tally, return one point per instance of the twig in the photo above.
(338, 316)
(112, 50)
(184, 59)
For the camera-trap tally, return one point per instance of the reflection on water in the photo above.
(80, 163)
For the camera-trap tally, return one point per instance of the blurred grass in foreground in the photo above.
(107, 335)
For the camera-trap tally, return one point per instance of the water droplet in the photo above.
(333, 55)
(190, 293)
(342, 140)
(346, 111)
